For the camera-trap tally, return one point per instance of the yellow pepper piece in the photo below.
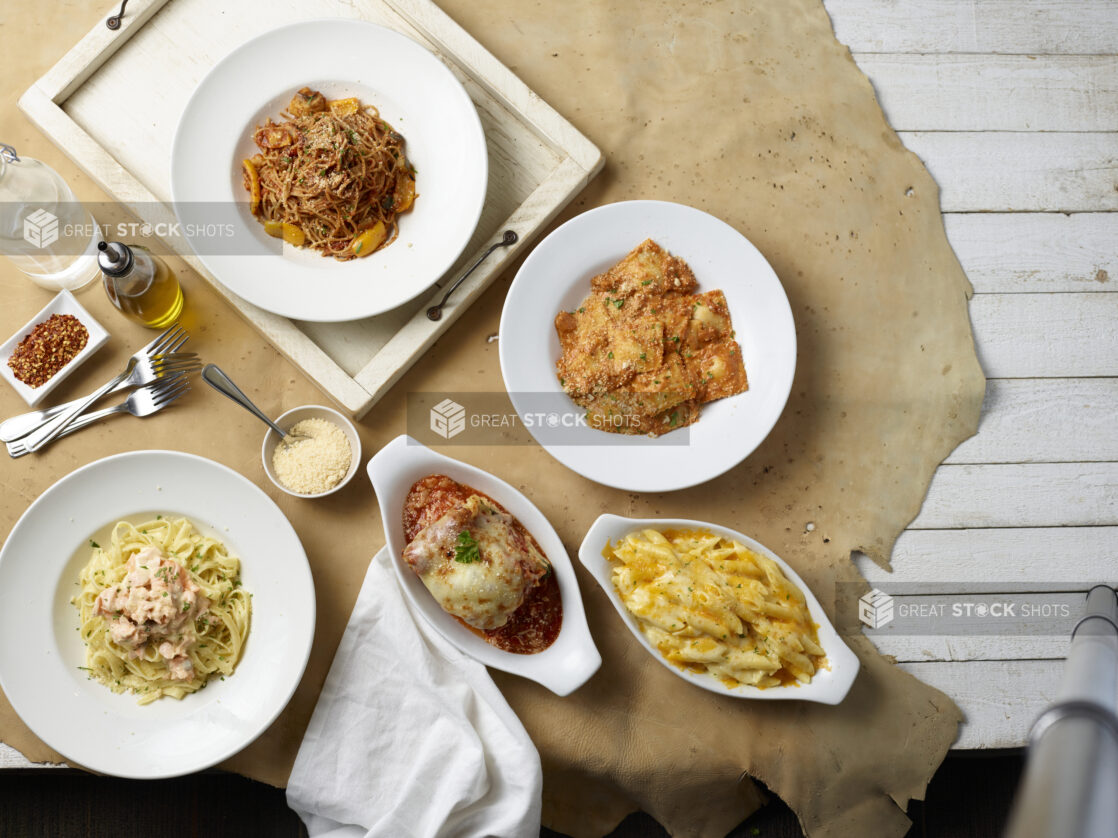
(286, 231)
(344, 107)
(274, 137)
(252, 181)
(369, 240)
(404, 196)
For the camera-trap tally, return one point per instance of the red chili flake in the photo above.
(49, 347)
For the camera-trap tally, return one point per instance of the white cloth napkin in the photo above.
(411, 738)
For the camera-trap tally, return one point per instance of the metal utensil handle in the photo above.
(56, 426)
(82, 421)
(20, 426)
(216, 378)
(436, 311)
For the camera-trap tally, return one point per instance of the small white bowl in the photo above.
(562, 667)
(293, 417)
(63, 303)
(829, 685)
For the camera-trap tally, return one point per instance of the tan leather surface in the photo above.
(750, 111)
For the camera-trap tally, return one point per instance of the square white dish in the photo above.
(63, 303)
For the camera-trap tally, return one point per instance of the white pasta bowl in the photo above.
(41, 652)
(830, 683)
(565, 665)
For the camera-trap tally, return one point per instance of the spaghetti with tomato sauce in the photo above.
(534, 625)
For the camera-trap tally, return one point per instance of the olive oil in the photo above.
(140, 284)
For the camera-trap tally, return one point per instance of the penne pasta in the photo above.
(712, 605)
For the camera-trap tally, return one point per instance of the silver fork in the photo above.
(143, 367)
(20, 426)
(143, 401)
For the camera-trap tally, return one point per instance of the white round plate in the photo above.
(830, 684)
(41, 651)
(556, 277)
(563, 666)
(413, 90)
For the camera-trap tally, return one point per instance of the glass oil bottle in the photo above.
(140, 284)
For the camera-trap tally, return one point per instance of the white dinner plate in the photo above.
(830, 684)
(41, 650)
(563, 666)
(556, 277)
(412, 89)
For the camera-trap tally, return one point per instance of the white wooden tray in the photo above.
(112, 104)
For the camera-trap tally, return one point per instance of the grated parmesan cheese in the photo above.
(315, 464)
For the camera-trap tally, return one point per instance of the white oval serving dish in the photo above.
(829, 685)
(565, 665)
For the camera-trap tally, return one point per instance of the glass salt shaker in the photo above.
(44, 230)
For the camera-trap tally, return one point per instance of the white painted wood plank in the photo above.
(1045, 420)
(940, 649)
(996, 92)
(1000, 699)
(1000, 26)
(11, 758)
(1016, 252)
(1014, 561)
(995, 171)
(1027, 495)
(1019, 558)
(1046, 335)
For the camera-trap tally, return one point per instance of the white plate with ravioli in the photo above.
(763, 643)
(42, 651)
(412, 90)
(556, 278)
(568, 658)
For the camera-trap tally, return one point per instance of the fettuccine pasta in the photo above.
(162, 609)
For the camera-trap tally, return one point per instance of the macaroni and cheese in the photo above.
(710, 604)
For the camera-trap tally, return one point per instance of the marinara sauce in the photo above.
(536, 623)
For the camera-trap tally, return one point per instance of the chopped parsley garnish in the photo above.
(94, 544)
(466, 550)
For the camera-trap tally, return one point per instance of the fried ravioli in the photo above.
(642, 351)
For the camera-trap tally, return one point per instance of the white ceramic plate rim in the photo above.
(62, 303)
(414, 91)
(39, 644)
(556, 276)
(829, 686)
(572, 658)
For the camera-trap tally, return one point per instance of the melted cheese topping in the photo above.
(484, 587)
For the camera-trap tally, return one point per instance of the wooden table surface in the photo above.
(1014, 109)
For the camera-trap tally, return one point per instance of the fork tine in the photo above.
(167, 396)
(173, 347)
(163, 340)
(160, 338)
(162, 367)
(175, 356)
(164, 382)
(176, 371)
